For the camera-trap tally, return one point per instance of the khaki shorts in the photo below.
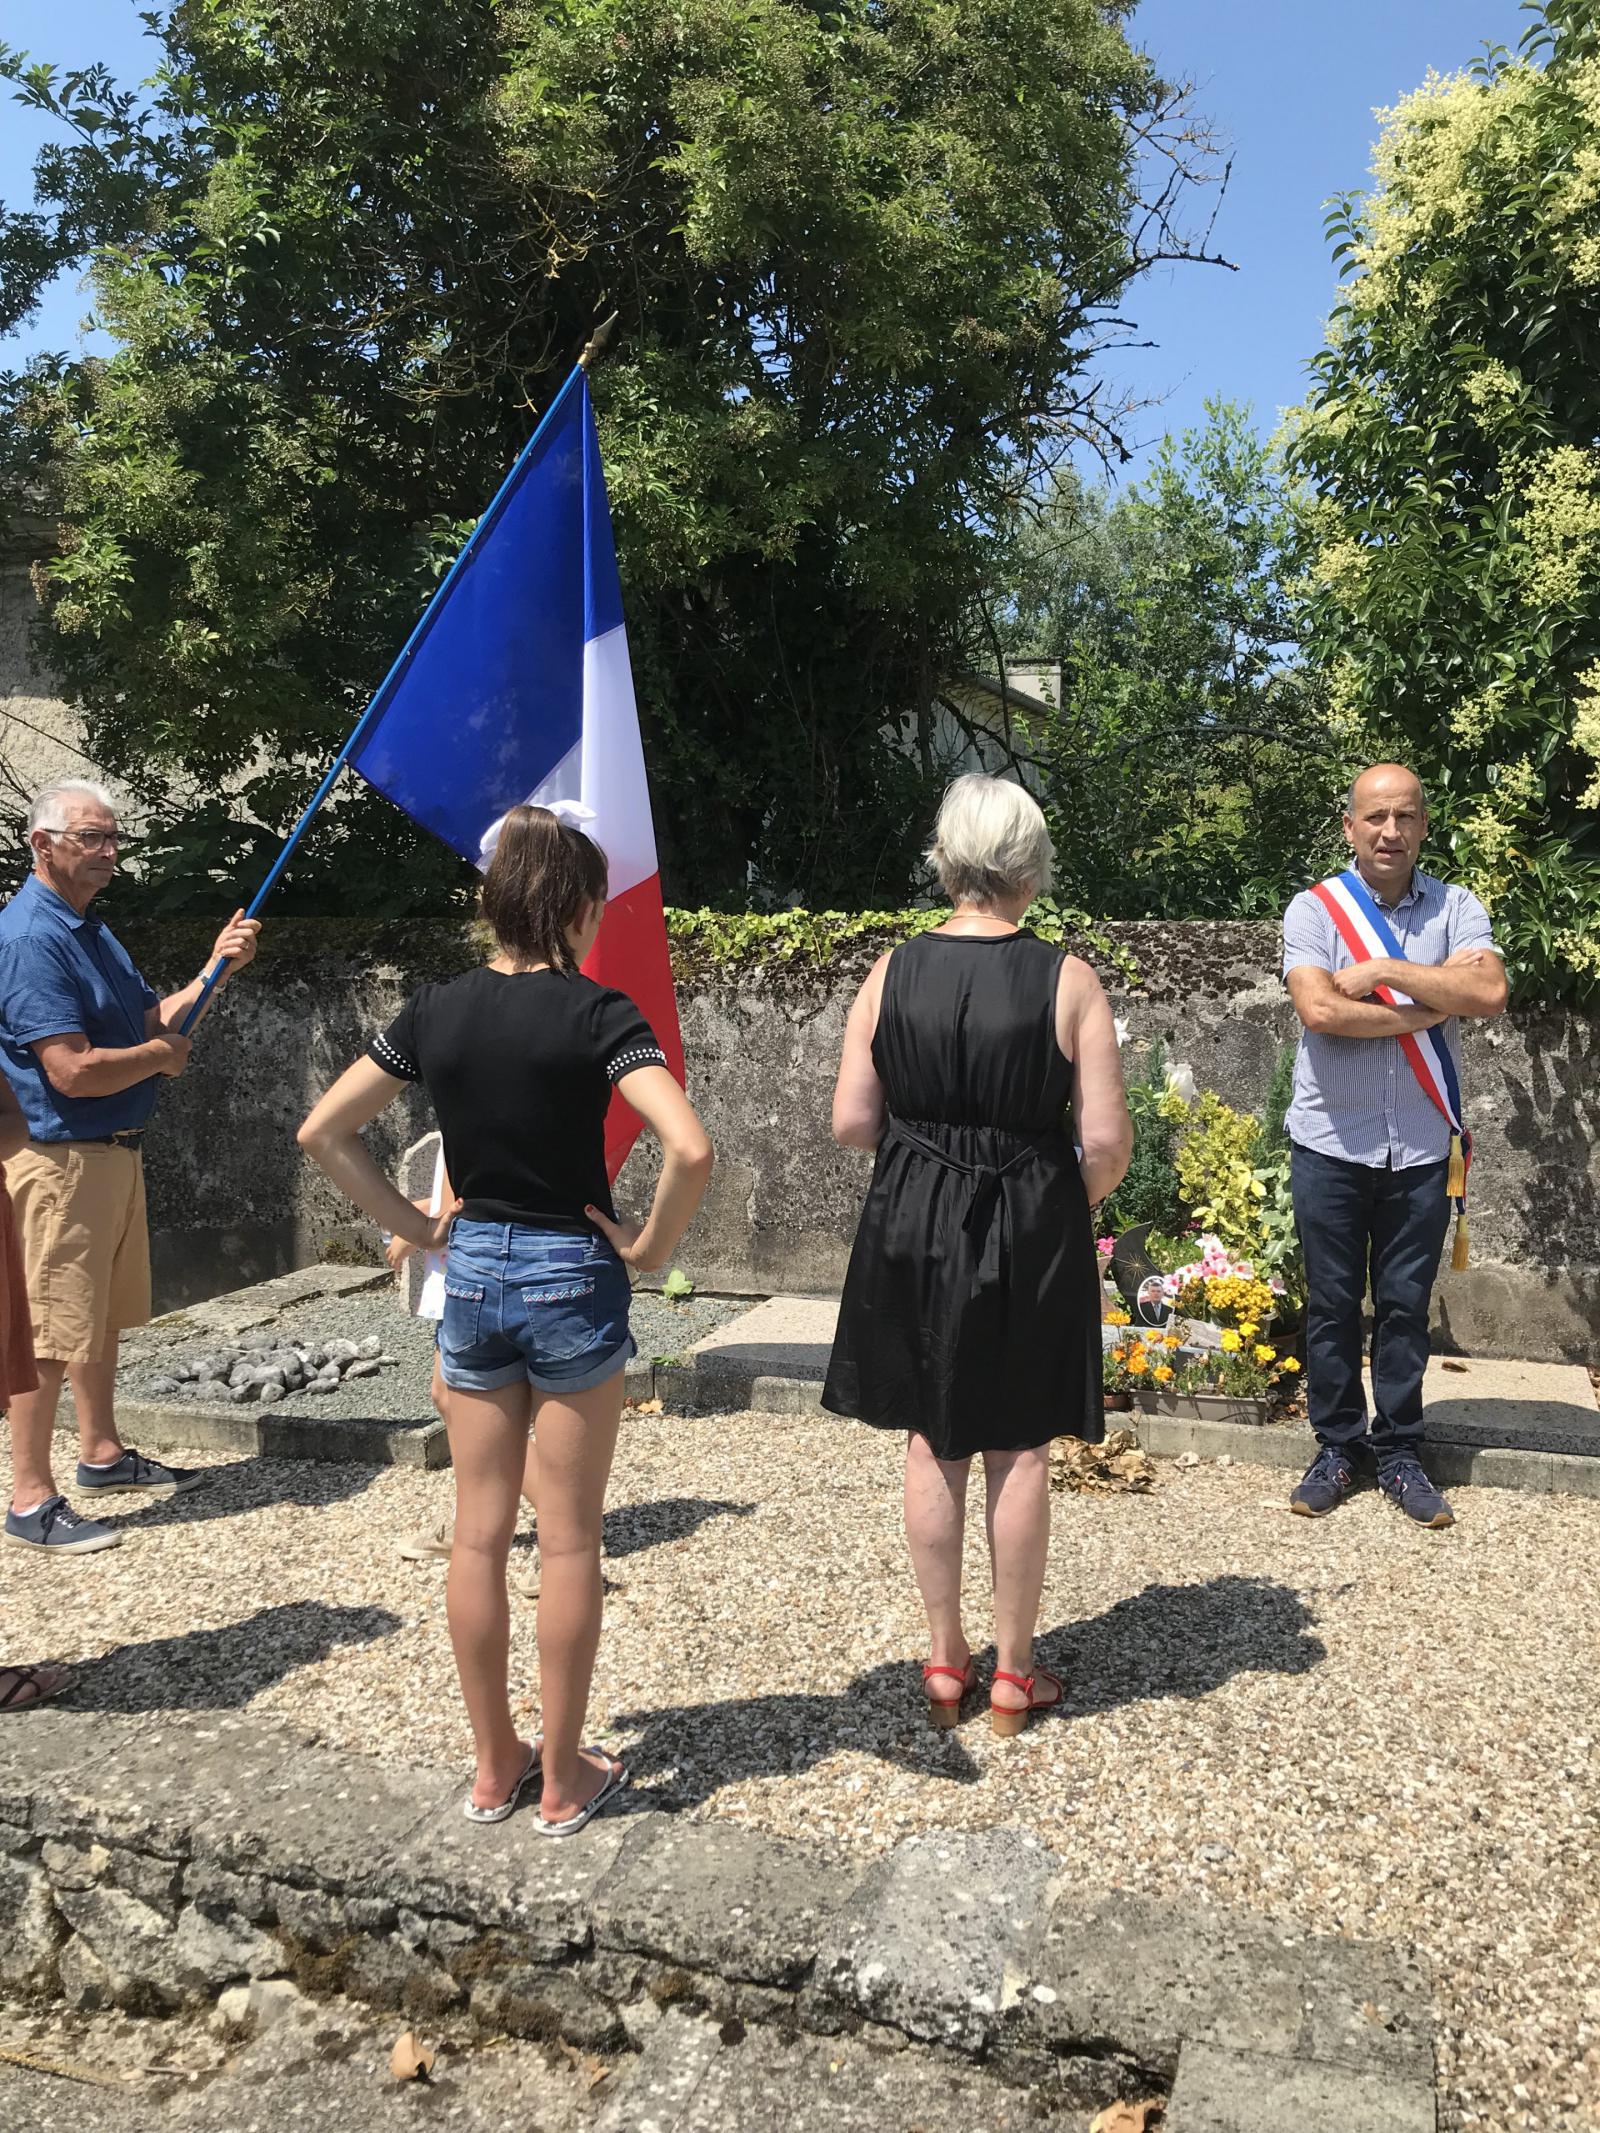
(85, 1244)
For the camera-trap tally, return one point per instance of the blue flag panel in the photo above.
(490, 696)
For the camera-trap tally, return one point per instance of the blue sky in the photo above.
(1289, 84)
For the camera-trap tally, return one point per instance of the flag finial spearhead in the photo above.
(597, 341)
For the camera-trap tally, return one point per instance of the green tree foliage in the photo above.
(1453, 570)
(347, 249)
(1190, 770)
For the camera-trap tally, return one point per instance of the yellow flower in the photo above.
(1170, 1340)
(1230, 1341)
(1290, 1365)
(1162, 1373)
(1116, 1318)
(1119, 1355)
(1249, 1330)
(1138, 1362)
(1264, 1354)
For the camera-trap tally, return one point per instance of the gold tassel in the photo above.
(1458, 1255)
(1456, 1183)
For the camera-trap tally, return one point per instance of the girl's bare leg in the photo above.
(488, 1448)
(577, 1436)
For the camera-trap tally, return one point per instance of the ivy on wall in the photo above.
(704, 941)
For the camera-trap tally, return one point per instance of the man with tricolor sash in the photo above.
(1380, 962)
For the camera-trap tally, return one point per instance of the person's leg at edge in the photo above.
(1332, 1211)
(94, 1394)
(488, 1432)
(1017, 1520)
(32, 1418)
(577, 1434)
(1409, 1224)
(936, 1526)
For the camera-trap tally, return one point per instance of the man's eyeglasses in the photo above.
(91, 840)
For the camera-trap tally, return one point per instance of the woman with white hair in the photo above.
(981, 1065)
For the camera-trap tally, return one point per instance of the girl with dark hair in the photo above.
(520, 1059)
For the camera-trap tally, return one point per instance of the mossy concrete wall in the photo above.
(232, 1200)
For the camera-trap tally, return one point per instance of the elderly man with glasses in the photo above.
(84, 1043)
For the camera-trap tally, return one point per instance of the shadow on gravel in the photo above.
(221, 1669)
(231, 1491)
(1169, 1640)
(1181, 1640)
(636, 1526)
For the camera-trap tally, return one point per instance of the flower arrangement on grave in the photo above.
(1244, 1366)
(1220, 1288)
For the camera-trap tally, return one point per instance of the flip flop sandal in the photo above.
(530, 1770)
(616, 1778)
(1006, 1723)
(13, 1696)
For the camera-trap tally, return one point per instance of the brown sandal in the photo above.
(1006, 1723)
(21, 1687)
(945, 1711)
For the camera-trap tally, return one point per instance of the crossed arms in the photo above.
(1337, 1003)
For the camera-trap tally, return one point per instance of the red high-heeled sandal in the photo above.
(945, 1711)
(1006, 1723)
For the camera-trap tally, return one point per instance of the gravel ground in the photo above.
(1364, 1727)
(662, 1330)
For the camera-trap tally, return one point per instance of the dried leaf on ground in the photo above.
(646, 1407)
(593, 2070)
(410, 2060)
(1129, 2117)
(1116, 1466)
(1448, 1362)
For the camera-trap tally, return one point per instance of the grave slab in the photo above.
(1256, 2092)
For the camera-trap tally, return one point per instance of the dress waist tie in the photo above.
(991, 1241)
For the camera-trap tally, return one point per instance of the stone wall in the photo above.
(232, 1200)
(153, 1864)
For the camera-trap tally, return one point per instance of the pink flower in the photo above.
(1105, 1246)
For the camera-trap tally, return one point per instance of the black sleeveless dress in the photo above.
(971, 1311)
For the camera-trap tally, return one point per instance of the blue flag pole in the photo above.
(381, 696)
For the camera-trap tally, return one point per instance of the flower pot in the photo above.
(1203, 1406)
(1118, 1403)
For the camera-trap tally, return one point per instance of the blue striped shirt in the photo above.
(1356, 1098)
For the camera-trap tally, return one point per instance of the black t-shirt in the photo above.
(520, 1067)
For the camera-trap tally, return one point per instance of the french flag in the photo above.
(517, 687)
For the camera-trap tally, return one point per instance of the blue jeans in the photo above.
(546, 1307)
(1353, 1219)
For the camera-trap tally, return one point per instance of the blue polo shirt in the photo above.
(63, 971)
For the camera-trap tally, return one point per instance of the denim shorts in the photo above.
(546, 1307)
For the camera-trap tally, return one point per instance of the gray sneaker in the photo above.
(56, 1526)
(133, 1471)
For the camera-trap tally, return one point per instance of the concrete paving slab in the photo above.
(785, 1337)
(1257, 2092)
(927, 1941)
(752, 1908)
(1529, 1407)
(694, 2079)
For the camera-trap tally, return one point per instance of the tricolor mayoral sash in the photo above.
(1367, 934)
